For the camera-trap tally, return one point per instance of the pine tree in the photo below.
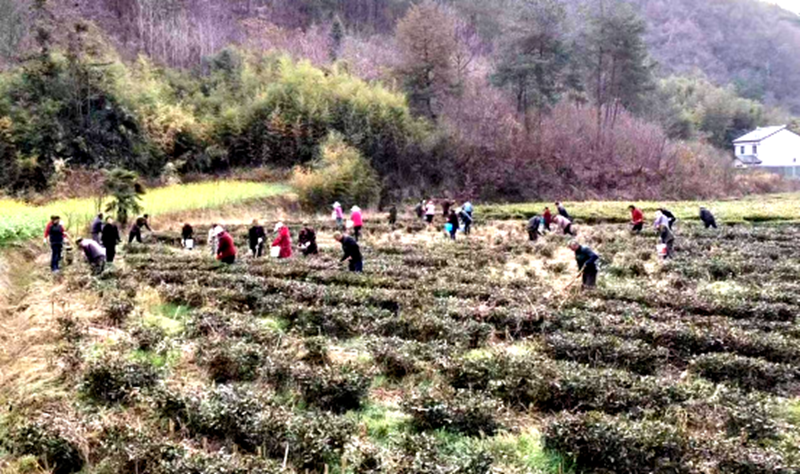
(126, 192)
(337, 37)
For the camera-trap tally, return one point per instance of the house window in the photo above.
(755, 149)
(742, 151)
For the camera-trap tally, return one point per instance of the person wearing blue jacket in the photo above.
(587, 263)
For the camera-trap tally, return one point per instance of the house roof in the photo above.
(749, 160)
(759, 134)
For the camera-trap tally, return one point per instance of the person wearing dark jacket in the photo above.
(667, 239)
(466, 218)
(110, 239)
(419, 210)
(352, 252)
(226, 250)
(533, 228)
(97, 227)
(547, 217)
(668, 215)
(256, 237)
(145, 220)
(136, 230)
(708, 218)
(56, 235)
(446, 205)
(393, 215)
(452, 219)
(563, 211)
(587, 263)
(187, 234)
(307, 239)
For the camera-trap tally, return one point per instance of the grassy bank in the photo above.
(19, 221)
(769, 208)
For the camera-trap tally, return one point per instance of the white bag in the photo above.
(275, 252)
(188, 244)
(349, 224)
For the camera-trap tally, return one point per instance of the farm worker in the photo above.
(136, 231)
(97, 227)
(256, 237)
(187, 233)
(358, 222)
(564, 224)
(419, 210)
(95, 254)
(533, 228)
(466, 218)
(57, 235)
(661, 219)
(467, 207)
(226, 249)
(668, 215)
(563, 210)
(308, 241)
(668, 239)
(452, 219)
(430, 211)
(393, 215)
(110, 238)
(352, 252)
(547, 217)
(338, 214)
(587, 263)
(708, 218)
(446, 205)
(146, 222)
(637, 219)
(284, 240)
(213, 241)
(48, 226)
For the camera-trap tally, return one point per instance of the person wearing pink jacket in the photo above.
(358, 222)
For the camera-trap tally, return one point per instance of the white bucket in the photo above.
(349, 224)
(275, 252)
(662, 250)
(188, 244)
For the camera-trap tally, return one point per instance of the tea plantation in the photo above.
(465, 357)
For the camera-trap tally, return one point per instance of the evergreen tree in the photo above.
(126, 192)
(534, 61)
(427, 39)
(337, 37)
(619, 69)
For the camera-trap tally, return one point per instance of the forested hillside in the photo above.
(510, 99)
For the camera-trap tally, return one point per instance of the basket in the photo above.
(275, 252)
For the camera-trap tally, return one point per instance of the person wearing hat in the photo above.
(338, 214)
(284, 240)
(358, 222)
(308, 240)
(213, 241)
(226, 249)
(587, 263)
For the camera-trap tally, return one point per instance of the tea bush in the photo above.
(113, 379)
(462, 412)
(594, 442)
(337, 390)
(52, 450)
(635, 356)
(230, 360)
(747, 372)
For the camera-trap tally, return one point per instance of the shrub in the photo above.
(341, 174)
(611, 351)
(464, 412)
(147, 337)
(599, 443)
(112, 379)
(746, 372)
(425, 454)
(316, 351)
(118, 309)
(394, 357)
(230, 360)
(333, 389)
(51, 448)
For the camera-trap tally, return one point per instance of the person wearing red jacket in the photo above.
(226, 249)
(547, 216)
(637, 219)
(284, 240)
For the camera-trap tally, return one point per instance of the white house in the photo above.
(775, 149)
